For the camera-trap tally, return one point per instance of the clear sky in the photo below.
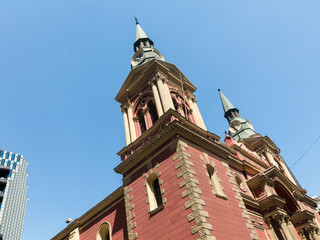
(63, 62)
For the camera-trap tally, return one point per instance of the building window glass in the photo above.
(154, 192)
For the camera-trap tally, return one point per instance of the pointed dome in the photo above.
(227, 105)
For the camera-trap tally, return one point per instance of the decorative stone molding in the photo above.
(195, 202)
(130, 216)
(241, 204)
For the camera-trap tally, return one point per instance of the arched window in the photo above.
(214, 180)
(154, 192)
(142, 123)
(104, 232)
(153, 112)
(291, 205)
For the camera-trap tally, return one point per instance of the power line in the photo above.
(305, 152)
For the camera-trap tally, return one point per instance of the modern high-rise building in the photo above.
(181, 181)
(14, 204)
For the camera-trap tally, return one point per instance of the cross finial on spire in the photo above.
(136, 20)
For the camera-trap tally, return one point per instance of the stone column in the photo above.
(301, 234)
(126, 125)
(270, 158)
(156, 98)
(131, 124)
(270, 229)
(166, 87)
(292, 230)
(194, 113)
(147, 118)
(314, 234)
(199, 114)
(163, 94)
(284, 227)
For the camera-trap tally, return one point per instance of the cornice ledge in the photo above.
(176, 127)
(160, 121)
(302, 216)
(259, 179)
(310, 201)
(131, 160)
(272, 201)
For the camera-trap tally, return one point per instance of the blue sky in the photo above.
(63, 62)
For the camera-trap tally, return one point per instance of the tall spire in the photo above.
(140, 34)
(239, 128)
(142, 39)
(143, 47)
(226, 104)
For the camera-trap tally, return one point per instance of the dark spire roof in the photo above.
(226, 104)
(141, 36)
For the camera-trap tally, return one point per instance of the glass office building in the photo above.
(14, 204)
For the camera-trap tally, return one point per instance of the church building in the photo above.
(181, 181)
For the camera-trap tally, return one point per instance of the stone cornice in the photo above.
(302, 217)
(90, 215)
(259, 180)
(271, 202)
(161, 121)
(179, 127)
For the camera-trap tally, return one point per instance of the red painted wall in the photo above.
(171, 222)
(225, 216)
(115, 216)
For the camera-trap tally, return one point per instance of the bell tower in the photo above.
(152, 88)
(175, 172)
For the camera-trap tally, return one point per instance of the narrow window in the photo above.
(153, 112)
(154, 192)
(142, 122)
(104, 232)
(214, 180)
